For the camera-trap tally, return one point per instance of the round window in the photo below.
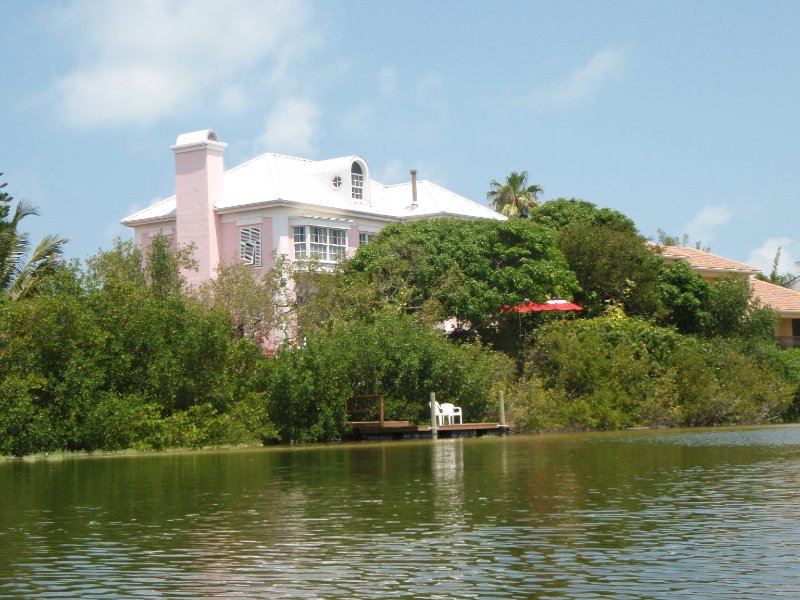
(336, 182)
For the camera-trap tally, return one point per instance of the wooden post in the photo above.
(434, 428)
(502, 408)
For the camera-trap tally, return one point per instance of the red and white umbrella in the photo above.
(555, 304)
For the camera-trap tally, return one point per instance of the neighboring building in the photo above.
(277, 204)
(785, 301)
(709, 266)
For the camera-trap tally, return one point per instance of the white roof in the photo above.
(273, 178)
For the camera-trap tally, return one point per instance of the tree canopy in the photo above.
(123, 354)
(23, 267)
(514, 197)
(442, 268)
(561, 212)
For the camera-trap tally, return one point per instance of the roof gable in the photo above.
(702, 260)
(780, 298)
(275, 178)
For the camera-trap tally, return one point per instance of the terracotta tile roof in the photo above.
(701, 260)
(780, 298)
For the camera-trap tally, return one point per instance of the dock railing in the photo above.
(360, 406)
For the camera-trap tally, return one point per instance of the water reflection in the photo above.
(637, 514)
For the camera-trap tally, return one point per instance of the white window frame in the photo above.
(326, 244)
(250, 246)
(365, 238)
(300, 235)
(357, 181)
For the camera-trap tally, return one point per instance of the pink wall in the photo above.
(267, 244)
(352, 240)
(229, 243)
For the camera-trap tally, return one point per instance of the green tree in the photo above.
(610, 258)
(23, 268)
(775, 277)
(665, 239)
(163, 265)
(613, 266)
(307, 388)
(258, 306)
(685, 297)
(514, 197)
(609, 373)
(442, 268)
(728, 306)
(561, 212)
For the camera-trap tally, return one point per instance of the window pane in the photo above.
(338, 237)
(319, 235)
(319, 251)
(358, 185)
(300, 248)
(322, 243)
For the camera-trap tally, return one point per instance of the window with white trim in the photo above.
(357, 181)
(323, 243)
(250, 246)
(365, 238)
(300, 242)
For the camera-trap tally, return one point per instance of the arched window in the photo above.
(357, 179)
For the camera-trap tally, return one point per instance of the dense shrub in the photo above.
(108, 360)
(608, 373)
(308, 388)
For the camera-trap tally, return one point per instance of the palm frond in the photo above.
(28, 275)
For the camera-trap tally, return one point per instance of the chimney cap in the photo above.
(196, 139)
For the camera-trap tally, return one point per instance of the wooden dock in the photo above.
(403, 430)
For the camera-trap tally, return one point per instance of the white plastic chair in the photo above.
(438, 412)
(450, 412)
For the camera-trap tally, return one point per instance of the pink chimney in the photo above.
(198, 187)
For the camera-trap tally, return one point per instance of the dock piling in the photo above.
(434, 429)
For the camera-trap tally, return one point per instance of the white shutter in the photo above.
(250, 246)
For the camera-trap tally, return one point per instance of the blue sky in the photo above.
(683, 115)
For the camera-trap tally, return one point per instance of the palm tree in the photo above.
(514, 198)
(22, 271)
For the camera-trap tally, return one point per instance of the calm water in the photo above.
(628, 515)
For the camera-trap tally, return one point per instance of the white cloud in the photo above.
(764, 256)
(233, 99)
(583, 84)
(117, 95)
(291, 128)
(702, 228)
(139, 61)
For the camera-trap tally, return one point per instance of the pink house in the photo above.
(280, 204)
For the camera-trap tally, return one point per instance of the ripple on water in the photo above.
(711, 514)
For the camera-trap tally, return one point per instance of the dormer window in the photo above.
(357, 180)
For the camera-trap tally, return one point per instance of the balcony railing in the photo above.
(788, 341)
